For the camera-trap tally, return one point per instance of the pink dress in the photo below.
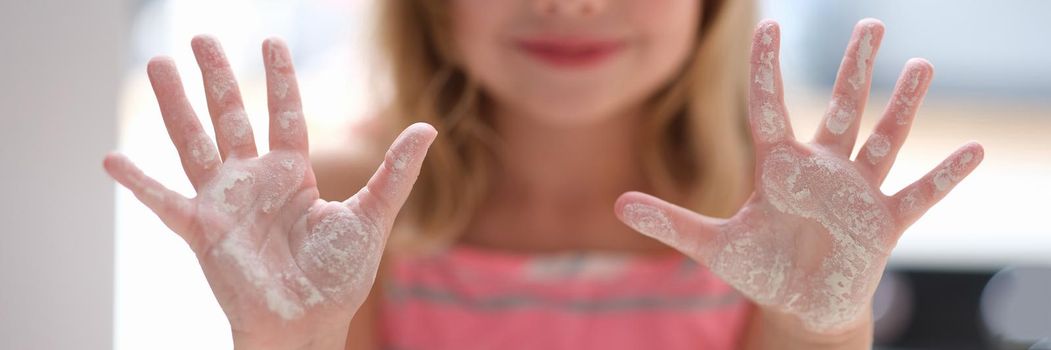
(469, 298)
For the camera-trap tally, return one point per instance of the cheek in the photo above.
(668, 30)
(477, 25)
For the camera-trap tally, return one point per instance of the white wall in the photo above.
(59, 72)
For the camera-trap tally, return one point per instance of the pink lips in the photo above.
(570, 52)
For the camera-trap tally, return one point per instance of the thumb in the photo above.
(391, 184)
(678, 227)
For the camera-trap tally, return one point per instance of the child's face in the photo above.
(573, 62)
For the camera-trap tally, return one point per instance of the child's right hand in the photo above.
(289, 269)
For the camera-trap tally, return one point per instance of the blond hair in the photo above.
(697, 147)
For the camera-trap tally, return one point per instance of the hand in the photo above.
(284, 265)
(813, 239)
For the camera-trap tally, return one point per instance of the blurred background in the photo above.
(84, 265)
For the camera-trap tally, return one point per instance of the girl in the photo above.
(550, 111)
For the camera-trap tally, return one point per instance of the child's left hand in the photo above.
(814, 238)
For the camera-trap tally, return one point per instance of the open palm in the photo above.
(282, 263)
(814, 237)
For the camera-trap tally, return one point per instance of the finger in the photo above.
(288, 129)
(839, 129)
(678, 227)
(232, 130)
(914, 200)
(391, 184)
(196, 150)
(879, 152)
(172, 208)
(767, 113)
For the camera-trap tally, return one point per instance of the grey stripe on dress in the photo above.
(401, 293)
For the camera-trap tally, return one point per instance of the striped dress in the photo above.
(470, 298)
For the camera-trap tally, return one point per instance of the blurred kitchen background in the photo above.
(83, 265)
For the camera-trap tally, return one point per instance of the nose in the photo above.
(569, 8)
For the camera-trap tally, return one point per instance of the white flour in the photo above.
(914, 81)
(942, 180)
(951, 172)
(841, 116)
(811, 197)
(911, 202)
(765, 76)
(771, 123)
(839, 200)
(281, 184)
(907, 99)
(224, 188)
(276, 59)
(401, 161)
(236, 191)
(879, 146)
(288, 118)
(650, 220)
(279, 79)
(280, 83)
(751, 263)
(236, 125)
(344, 248)
(236, 247)
(221, 83)
(202, 151)
(313, 295)
(861, 61)
(403, 154)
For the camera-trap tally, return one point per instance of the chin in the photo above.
(571, 110)
(564, 104)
